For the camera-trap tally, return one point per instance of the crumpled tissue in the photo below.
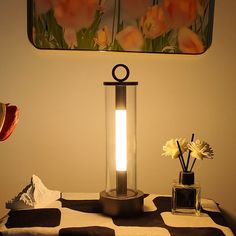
(34, 195)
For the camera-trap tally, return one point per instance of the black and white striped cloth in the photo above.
(81, 215)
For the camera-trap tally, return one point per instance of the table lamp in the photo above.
(121, 198)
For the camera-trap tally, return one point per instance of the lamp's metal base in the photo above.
(122, 206)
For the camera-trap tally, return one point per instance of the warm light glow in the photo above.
(121, 140)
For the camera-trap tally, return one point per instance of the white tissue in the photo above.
(34, 195)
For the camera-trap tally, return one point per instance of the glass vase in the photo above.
(186, 195)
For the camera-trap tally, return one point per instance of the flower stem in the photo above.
(113, 22)
(189, 154)
(181, 157)
(118, 19)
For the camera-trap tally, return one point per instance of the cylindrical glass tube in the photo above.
(121, 139)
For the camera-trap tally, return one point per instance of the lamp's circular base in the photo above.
(122, 206)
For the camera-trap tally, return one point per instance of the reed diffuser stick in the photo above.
(192, 138)
(181, 157)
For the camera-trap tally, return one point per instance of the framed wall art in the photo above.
(151, 26)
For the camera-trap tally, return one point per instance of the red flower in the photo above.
(9, 117)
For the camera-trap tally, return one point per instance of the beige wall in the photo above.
(61, 136)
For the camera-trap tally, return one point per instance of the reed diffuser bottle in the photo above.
(186, 193)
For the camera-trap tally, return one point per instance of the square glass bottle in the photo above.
(186, 195)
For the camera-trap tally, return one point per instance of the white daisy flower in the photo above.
(171, 147)
(200, 149)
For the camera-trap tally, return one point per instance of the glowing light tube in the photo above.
(121, 140)
(121, 152)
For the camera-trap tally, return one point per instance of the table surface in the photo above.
(80, 214)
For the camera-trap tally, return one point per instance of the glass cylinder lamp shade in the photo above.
(121, 139)
(121, 196)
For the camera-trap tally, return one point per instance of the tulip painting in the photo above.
(161, 26)
(9, 117)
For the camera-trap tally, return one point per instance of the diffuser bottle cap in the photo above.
(186, 178)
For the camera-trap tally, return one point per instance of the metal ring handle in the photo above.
(125, 77)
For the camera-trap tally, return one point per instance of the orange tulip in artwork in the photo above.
(75, 14)
(9, 117)
(189, 42)
(130, 39)
(181, 12)
(154, 23)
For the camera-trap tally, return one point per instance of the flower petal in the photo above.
(181, 12)
(75, 14)
(154, 23)
(200, 149)
(189, 42)
(11, 119)
(70, 38)
(102, 37)
(171, 148)
(2, 114)
(130, 39)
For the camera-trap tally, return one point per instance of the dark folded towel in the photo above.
(89, 206)
(87, 231)
(46, 217)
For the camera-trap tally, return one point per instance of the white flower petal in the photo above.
(200, 149)
(171, 147)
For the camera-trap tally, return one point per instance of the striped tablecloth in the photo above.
(80, 214)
